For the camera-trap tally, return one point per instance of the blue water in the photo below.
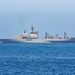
(37, 59)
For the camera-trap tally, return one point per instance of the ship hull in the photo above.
(62, 40)
(37, 40)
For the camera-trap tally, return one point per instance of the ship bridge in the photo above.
(33, 34)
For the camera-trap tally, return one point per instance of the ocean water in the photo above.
(37, 59)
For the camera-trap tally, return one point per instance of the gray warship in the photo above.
(33, 37)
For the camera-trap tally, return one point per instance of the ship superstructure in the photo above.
(33, 35)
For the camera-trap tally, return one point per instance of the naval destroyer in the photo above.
(33, 37)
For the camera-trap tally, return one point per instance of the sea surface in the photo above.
(37, 59)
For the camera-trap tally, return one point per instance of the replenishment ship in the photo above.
(33, 37)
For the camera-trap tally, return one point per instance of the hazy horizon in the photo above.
(52, 16)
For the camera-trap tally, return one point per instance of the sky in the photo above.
(52, 16)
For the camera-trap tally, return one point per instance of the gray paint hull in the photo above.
(37, 40)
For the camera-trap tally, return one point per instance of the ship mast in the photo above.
(32, 29)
